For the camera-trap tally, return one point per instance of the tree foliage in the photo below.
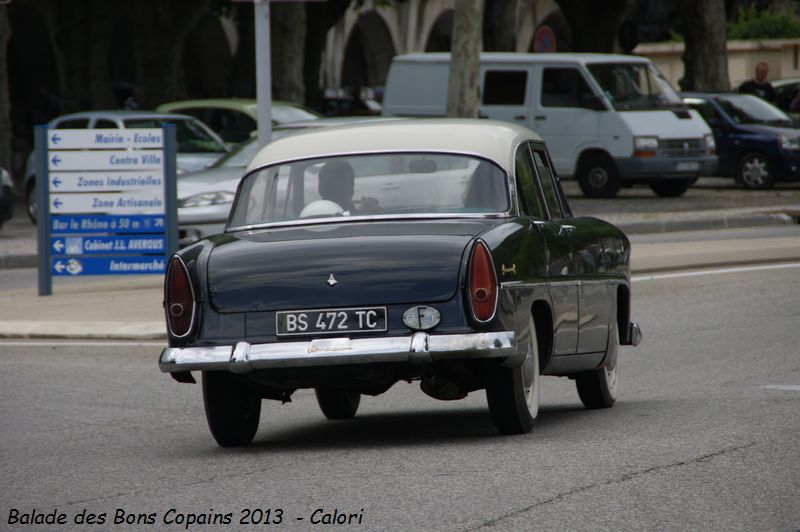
(752, 23)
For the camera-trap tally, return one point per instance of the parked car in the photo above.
(6, 197)
(442, 251)
(609, 120)
(785, 91)
(757, 143)
(197, 147)
(205, 197)
(234, 119)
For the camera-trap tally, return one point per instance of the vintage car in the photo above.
(436, 250)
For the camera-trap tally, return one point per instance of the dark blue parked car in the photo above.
(757, 143)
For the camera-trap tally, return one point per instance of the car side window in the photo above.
(549, 187)
(504, 87)
(75, 123)
(530, 201)
(106, 124)
(706, 110)
(563, 87)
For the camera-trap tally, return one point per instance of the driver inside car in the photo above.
(337, 184)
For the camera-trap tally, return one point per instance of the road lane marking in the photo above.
(716, 271)
(782, 387)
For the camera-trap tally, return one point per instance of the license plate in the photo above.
(686, 166)
(330, 321)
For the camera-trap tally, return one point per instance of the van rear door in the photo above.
(561, 114)
(506, 93)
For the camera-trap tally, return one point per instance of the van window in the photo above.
(548, 185)
(531, 202)
(504, 87)
(634, 86)
(563, 87)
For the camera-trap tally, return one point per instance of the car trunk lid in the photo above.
(372, 263)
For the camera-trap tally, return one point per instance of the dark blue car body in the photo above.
(755, 152)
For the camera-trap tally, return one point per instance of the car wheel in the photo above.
(513, 393)
(336, 403)
(672, 188)
(598, 388)
(598, 176)
(232, 410)
(754, 172)
(30, 201)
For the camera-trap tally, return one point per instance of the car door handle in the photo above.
(481, 115)
(540, 117)
(566, 229)
(537, 225)
(520, 117)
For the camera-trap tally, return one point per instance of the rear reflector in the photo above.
(482, 284)
(178, 299)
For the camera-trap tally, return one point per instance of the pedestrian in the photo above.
(759, 85)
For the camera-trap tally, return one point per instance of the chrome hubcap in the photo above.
(754, 172)
(612, 377)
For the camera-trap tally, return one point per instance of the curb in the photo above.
(84, 330)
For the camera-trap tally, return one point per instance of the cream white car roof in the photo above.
(490, 139)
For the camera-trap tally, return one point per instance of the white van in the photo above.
(608, 120)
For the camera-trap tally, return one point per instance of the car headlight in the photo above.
(206, 198)
(645, 143)
(710, 142)
(789, 143)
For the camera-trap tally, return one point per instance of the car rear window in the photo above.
(393, 184)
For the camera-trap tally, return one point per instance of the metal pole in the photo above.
(169, 147)
(43, 211)
(263, 73)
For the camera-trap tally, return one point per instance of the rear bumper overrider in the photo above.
(419, 348)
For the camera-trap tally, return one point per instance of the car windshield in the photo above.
(634, 86)
(390, 184)
(191, 135)
(749, 109)
(240, 155)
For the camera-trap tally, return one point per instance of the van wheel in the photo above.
(598, 176)
(30, 201)
(754, 172)
(672, 188)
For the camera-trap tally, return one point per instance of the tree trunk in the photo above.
(705, 56)
(160, 29)
(5, 99)
(288, 36)
(594, 25)
(320, 17)
(500, 25)
(463, 89)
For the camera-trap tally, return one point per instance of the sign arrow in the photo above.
(58, 245)
(56, 182)
(55, 138)
(55, 160)
(57, 203)
(60, 266)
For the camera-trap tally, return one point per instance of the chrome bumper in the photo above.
(419, 348)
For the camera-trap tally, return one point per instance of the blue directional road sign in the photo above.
(72, 266)
(105, 245)
(87, 223)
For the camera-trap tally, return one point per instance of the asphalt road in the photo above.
(704, 436)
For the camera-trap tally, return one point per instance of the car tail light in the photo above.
(178, 299)
(482, 284)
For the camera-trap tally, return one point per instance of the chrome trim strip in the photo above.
(417, 348)
(370, 217)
